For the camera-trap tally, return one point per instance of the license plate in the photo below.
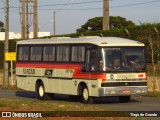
(126, 91)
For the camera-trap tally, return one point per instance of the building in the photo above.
(14, 35)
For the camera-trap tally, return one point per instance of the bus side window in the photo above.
(62, 53)
(23, 53)
(86, 65)
(93, 62)
(90, 61)
(49, 53)
(36, 53)
(78, 53)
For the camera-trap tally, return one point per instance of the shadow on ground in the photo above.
(59, 97)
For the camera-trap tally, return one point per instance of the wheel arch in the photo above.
(80, 86)
(37, 83)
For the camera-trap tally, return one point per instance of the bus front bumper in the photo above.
(122, 91)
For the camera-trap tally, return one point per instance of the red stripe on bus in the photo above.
(77, 69)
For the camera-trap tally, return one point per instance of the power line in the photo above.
(72, 3)
(64, 4)
(75, 9)
(88, 3)
(136, 4)
(98, 2)
(4, 5)
(2, 1)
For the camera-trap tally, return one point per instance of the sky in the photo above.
(71, 14)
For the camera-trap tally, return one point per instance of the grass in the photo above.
(2, 104)
(155, 94)
(45, 105)
(9, 87)
(150, 70)
(1, 70)
(57, 107)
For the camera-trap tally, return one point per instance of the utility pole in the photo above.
(27, 22)
(5, 67)
(35, 17)
(54, 23)
(23, 36)
(105, 14)
(25, 18)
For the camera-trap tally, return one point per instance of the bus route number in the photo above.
(29, 71)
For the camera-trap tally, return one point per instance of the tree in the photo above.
(154, 46)
(148, 33)
(120, 22)
(95, 24)
(92, 25)
(2, 27)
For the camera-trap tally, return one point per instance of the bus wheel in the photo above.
(124, 99)
(85, 98)
(40, 91)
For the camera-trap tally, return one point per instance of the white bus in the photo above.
(85, 68)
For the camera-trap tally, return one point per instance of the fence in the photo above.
(10, 81)
(150, 82)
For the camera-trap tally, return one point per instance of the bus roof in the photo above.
(99, 41)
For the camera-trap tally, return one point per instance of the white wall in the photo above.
(13, 35)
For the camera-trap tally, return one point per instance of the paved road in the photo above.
(136, 104)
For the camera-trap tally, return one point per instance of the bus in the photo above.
(83, 68)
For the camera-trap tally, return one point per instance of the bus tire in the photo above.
(124, 99)
(85, 98)
(40, 91)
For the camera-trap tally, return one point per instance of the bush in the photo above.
(12, 48)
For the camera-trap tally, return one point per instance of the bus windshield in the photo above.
(122, 59)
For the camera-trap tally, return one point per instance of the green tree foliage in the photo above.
(120, 22)
(2, 27)
(140, 32)
(1, 24)
(96, 23)
(143, 33)
(1, 54)
(93, 24)
(12, 48)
